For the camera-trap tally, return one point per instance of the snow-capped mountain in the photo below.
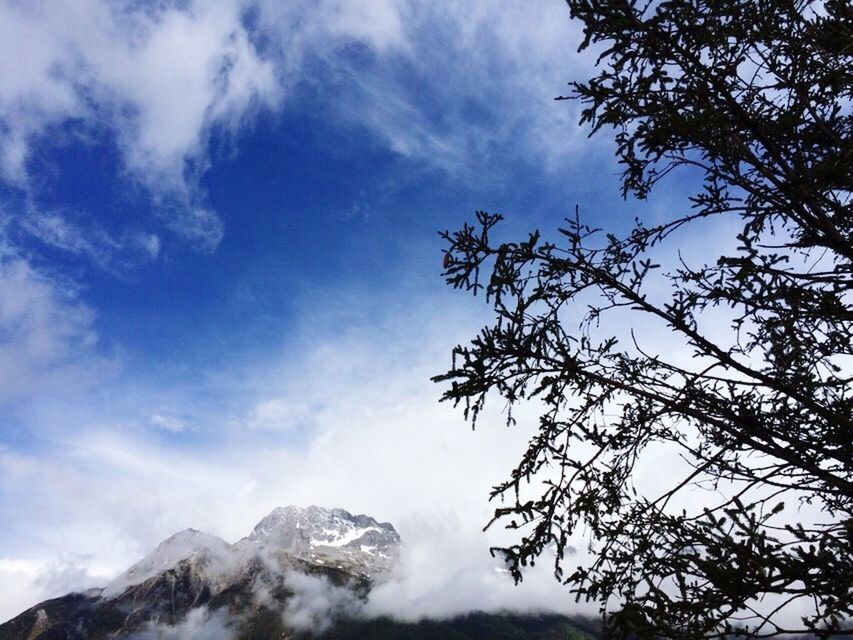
(192, 569)
(356, 542)
(301, 573)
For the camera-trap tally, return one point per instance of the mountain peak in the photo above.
(294, 517)
(254, 584)
(327, 536)
(188, 544)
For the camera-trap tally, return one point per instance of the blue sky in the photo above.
(220, 271)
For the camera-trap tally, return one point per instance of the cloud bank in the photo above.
(47, 338)
(379, 443)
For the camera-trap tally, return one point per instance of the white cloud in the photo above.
(278, 414)
(379, 444)
(316, 601)
(158, 77)
(161, 77)
(19, 585)
(168, 422)
(56, 231)
(452, 86)
(447, 571)
(47, 339)
(199, 624)
(150, 243)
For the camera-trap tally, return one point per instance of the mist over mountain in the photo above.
(301, 572)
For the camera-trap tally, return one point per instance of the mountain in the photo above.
(301, 572)
(357, 544)
(209, 553)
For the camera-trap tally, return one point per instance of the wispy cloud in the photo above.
(157, 78)
(47, 338)
(454, 87)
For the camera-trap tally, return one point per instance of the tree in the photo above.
(755, 98)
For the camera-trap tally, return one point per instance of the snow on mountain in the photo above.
(332, 537)
(296, 528)
(336, 538)
(298, 572)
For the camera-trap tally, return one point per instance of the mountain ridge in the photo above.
(273, 583)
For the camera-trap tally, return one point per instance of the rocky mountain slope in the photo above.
(302, 572)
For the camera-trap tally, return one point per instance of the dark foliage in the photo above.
(476, 626)
(755, 98)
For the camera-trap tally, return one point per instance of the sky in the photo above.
(220, 285)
